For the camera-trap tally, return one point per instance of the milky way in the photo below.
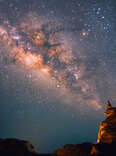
(43, 48)
(58, 57)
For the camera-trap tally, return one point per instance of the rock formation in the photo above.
(74, 150)
(107, 131)
(106, 142)
(15, 147)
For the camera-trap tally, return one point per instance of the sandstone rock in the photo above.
(107, 131)
(15, 146)
(74, 150)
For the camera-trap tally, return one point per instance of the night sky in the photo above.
(57, 69)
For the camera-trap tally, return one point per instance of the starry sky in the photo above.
(57, 69)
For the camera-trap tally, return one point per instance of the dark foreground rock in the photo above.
(74, 150)
(16, 147)
(104, 149)
(88, 149)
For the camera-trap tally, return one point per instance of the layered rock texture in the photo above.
(107, 132)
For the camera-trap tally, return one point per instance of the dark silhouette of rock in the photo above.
(16, 147)
(74, 150)
(107, 132)
(104, 149)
